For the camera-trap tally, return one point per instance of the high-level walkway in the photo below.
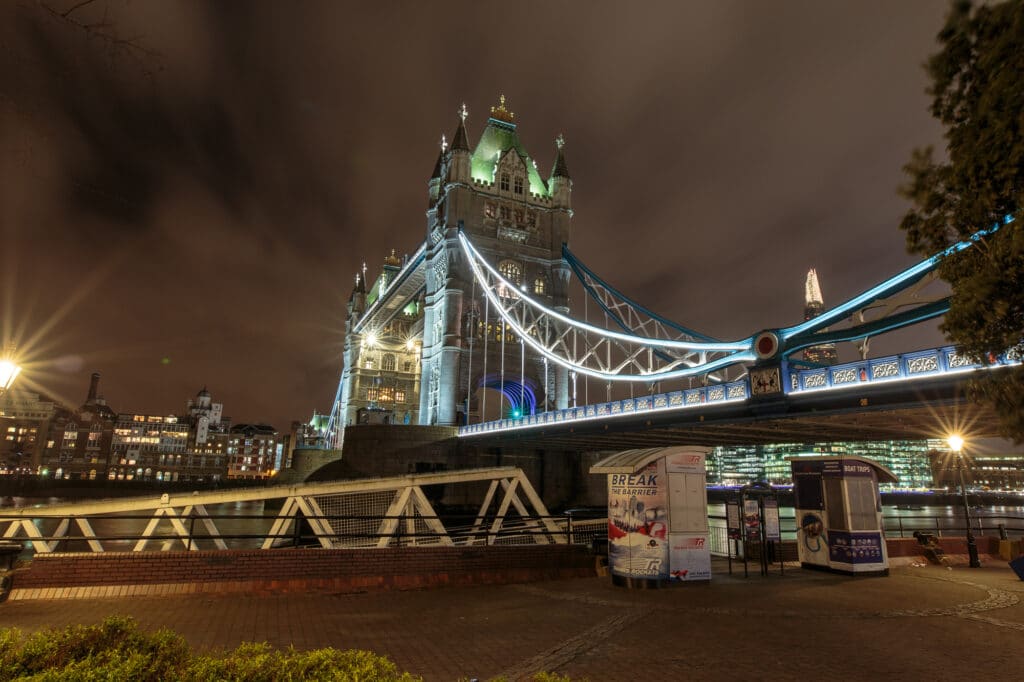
(921, 622)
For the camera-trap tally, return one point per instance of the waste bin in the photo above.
(839, 514)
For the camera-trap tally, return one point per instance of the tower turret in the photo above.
(559, 182)
(460, 166)
(434, 184)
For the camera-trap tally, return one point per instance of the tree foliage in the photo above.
(977, 89)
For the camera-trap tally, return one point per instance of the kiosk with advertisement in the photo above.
(657, 516)
(839, 514)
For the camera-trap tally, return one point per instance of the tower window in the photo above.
(538, 285)
(519, 185)
(504, 182)
(513, 272)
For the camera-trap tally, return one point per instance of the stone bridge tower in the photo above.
(495, 193)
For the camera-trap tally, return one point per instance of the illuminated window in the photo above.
(519, 185)
(511, 271)
(387, 363)
(399, 396)
(504, 182)
(538, 285)
(490, 210)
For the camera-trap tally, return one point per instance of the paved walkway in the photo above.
(924, 622)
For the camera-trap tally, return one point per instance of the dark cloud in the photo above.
(205, 192)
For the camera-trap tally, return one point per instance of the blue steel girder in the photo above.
(588, 350)
(615, 301)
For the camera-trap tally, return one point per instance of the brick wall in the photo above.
(910, 547)
(305, 569)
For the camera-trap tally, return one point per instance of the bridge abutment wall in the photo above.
(122, 574)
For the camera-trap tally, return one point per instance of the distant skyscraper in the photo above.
(824, 354)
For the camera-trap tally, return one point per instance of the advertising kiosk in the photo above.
(657, 516)
(839, 514)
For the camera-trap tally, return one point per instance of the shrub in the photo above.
(117, 650)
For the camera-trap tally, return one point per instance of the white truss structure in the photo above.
(376, 512)
(659, 353)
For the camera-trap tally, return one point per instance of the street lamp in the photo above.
(9, 370)
(956, 443)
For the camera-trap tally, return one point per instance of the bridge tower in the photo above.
(495, 193)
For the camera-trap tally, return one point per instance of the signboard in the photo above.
(732, 519)
(771, 520)
(751, 519)
(638, 523)
(690, 557)
(685, 463)
(855, 548)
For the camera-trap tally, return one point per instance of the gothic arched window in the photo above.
(519, 185)
(504, 182)
(387, 363)
(511, 271)
(538, 285)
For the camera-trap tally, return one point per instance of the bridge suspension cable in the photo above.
(597, 352)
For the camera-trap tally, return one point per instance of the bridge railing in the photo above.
(134, 532)
(915, 365)
(674, 400)
(907, 366)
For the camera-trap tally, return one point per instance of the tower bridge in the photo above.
(483, 311)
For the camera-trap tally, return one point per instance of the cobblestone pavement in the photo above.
(918, 623)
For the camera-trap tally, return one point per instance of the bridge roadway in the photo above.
(928, 407)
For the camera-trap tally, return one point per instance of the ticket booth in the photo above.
(839, 514)
(657, 516)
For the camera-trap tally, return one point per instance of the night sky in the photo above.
(188, 189)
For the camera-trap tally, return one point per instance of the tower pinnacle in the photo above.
(500, 113)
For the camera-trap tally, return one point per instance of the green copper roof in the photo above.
(497, 138)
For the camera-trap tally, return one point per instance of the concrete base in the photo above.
(856, 574)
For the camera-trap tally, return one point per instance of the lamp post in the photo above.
(956, 443)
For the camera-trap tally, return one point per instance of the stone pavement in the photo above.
(921, 622)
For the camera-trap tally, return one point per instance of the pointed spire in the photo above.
(460, 142)
(812, 290)
(560, 170)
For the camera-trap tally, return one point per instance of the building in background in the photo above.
(254, 451)
(95, 443)
(25, 421)
(987, 471)
(824, 354)
(739, 465)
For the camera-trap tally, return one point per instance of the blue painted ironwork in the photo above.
(907, 367)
